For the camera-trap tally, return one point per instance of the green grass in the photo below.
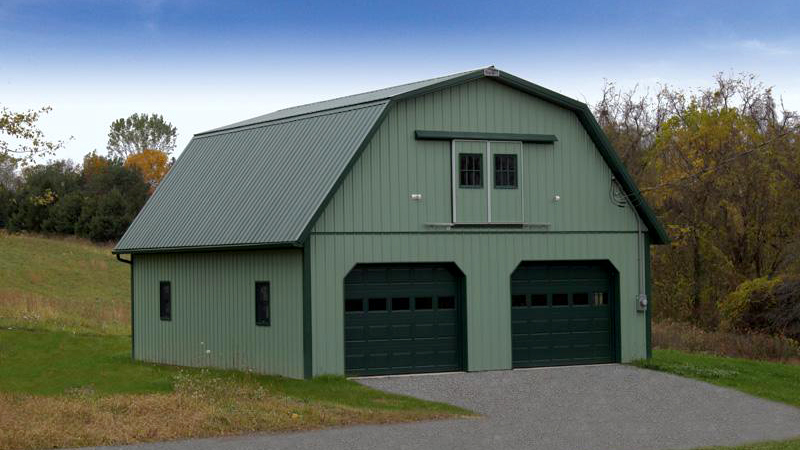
(51, 363)
(62, 284)
(773, 381)
(793, 444)
(55, 363)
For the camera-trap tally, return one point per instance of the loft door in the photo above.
(471, 202)
(505, 190)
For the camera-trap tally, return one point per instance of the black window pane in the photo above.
(401, 304)
(560, 300)
(469, 168)
(262, 303)
(423, 303)
(518, 301)
(353, 305)
(505, 171)
(447, 302)
(165, 300)
(580, 299)
(377, 304)
(539, 300)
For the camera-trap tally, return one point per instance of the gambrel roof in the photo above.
(263, 181)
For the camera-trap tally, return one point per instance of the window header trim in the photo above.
(450, 135)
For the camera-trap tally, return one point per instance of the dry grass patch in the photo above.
(681, 336)
(200, 406)
(31, 311)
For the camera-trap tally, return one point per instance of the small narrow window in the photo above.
(447, 302)
(470, 169)
(560, 300)
(401, 304)
(165, 300)
(580, 299)
(377, 304)
(539, 300)
(505, 171)
(353, 305)
(518, 301)
(423, 303)
(262, 303)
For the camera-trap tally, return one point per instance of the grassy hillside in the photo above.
(66, 371)
(63, 284)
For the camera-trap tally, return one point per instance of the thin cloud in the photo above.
(765, 48)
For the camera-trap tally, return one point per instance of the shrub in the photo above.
(764, 305)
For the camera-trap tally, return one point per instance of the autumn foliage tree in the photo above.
(152, 164)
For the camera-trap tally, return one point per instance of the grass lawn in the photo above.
(774, 381)
(793, 444)
(70, 389)
(64, 284)
(66, 372)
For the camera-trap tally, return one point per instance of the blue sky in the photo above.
(203, 64)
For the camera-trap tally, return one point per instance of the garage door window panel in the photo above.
(377, 304)
(401, 304)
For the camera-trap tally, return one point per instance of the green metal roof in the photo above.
(262, 182)
(253, 187)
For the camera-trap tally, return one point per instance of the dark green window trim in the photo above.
(165, 300)
(505, 171)
(262, 304)
(450, 135)
(470, 170)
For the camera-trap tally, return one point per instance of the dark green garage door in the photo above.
(562, 314)
(402, 319)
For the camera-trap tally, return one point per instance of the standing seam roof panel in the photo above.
(255, 186)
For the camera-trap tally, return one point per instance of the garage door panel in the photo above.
(418, 330)
(565, 317)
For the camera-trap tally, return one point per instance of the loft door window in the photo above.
(505, 171)
(470, 169)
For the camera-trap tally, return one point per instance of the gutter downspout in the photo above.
(133, 345)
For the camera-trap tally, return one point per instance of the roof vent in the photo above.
(491, 72)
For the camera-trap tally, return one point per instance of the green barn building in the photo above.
(470, 222)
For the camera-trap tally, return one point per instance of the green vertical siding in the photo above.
(487, 261)
(375, 195)
(213, 311)
(372, 219)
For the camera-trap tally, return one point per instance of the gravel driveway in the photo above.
(571, 408)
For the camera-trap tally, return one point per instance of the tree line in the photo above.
(97, 199)
(721, 167)
(719, 164)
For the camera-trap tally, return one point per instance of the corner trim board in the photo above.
(450, 135)
(308, 356)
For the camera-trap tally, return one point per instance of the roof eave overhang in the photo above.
(207, 248)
